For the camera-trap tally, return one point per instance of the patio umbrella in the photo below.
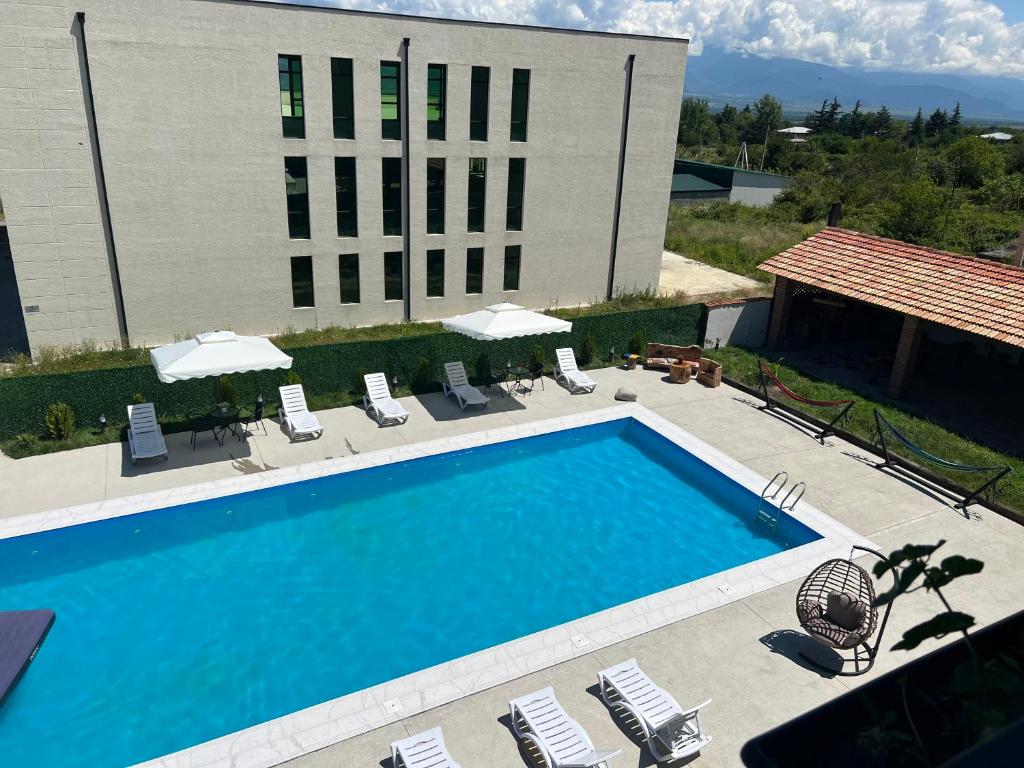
(504, 321)
(214, 354)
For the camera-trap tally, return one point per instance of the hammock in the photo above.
(881, 421)
(829, 429)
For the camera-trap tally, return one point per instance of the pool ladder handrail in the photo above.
(769, 517)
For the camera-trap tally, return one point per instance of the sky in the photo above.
(965, 36)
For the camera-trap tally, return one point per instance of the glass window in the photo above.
(516, 179)
(393, 276)
(479, 94)
(437, 76)
(341, 89)
(296, 188)
(391, 182)
(390, 100)
(474, 270)
(435, 195)
(513, 257)
(289, 75)
(345, 196)
(477, 194)
(520, 103)
(302, 281)
(348, 277)
(435, 273)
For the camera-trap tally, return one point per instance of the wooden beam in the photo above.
(906, 355)
(781, 304)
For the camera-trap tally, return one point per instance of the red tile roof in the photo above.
(974, 295)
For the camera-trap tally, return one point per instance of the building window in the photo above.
(435, 273)
(435, 195)
(297, 190)
(348, 277)
(513, 259)
(289, 75)
(393, 276)
(437, 76)
(520, 103)
(302, 281)
(341, 89)
(391, 183)
(390, 100)
(345, 196)
(474, 270)
(516, 179)
(479, 94)
(477, 194)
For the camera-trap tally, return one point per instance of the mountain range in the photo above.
(735, 78)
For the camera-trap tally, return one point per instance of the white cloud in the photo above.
(916, 35)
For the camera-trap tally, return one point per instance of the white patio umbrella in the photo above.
(796, 129)
(214, 354)
(504, 321)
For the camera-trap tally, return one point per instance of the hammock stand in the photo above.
(884, 426)
(829, 429)
(843, 576)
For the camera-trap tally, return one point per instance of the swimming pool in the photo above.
(179, 625)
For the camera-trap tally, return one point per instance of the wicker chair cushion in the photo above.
(847, 611)
(816, 620)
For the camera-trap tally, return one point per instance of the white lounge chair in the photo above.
(457, 383)
(566, 371)
(295, 416)
(378, 401)
(671, 731)
(562, 742)
(145, 438)
(424, 750)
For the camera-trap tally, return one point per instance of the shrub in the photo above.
(423, 380)
(536, 356)
(638, 344)
(358, 382)
(60, 421)
(138, 399)
(482, 366)
(588, 349)
(226, 391)
(292, 377)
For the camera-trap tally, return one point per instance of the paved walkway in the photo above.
(694, 278)
(741, 655)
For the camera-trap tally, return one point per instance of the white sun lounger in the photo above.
(671, 732)
(457, 383)
(378, 401)
(424, 750)
(295, 416)
(566, 371)
(145, 438)
(562, 742)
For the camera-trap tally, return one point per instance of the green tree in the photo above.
(954, 121)
(917, 127)
(882, 122)
(914, 217)
(694, 122)
(970, 161)
(767, 115)
(937, 123)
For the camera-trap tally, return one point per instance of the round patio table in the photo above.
(224, 419)
(518, 371)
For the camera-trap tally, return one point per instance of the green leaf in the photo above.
(936, 627)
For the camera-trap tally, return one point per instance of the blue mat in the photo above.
(21, 634)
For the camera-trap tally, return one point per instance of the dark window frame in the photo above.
(346, 261)
(391, 195)
(436, 128)
(289, 83)
(474, 277)
(435, 277)
(479, 103)
(435, 195)
(299, 290)
(346, 200)
(297, 201)
(343, 98)
(476, 209)
(391, 128)
(520, 107)
(513, 255)
(394, 289)
(515, 197)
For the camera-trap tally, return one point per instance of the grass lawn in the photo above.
(741, 365)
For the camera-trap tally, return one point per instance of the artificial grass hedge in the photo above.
(325, 369)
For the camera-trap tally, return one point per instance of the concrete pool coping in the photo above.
(269, 743)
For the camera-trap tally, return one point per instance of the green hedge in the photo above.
(324, 368)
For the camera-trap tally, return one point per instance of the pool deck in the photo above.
(741, 655)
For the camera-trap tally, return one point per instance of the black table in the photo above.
(518, 371)
(223, 419)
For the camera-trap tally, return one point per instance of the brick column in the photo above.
(781, 304)
(906, 355)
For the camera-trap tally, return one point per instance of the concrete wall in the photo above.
(741, 323)
(755, 188)
(187, 114)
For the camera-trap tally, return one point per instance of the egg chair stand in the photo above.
(843, 577)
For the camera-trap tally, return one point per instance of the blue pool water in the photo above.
(183, 624)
